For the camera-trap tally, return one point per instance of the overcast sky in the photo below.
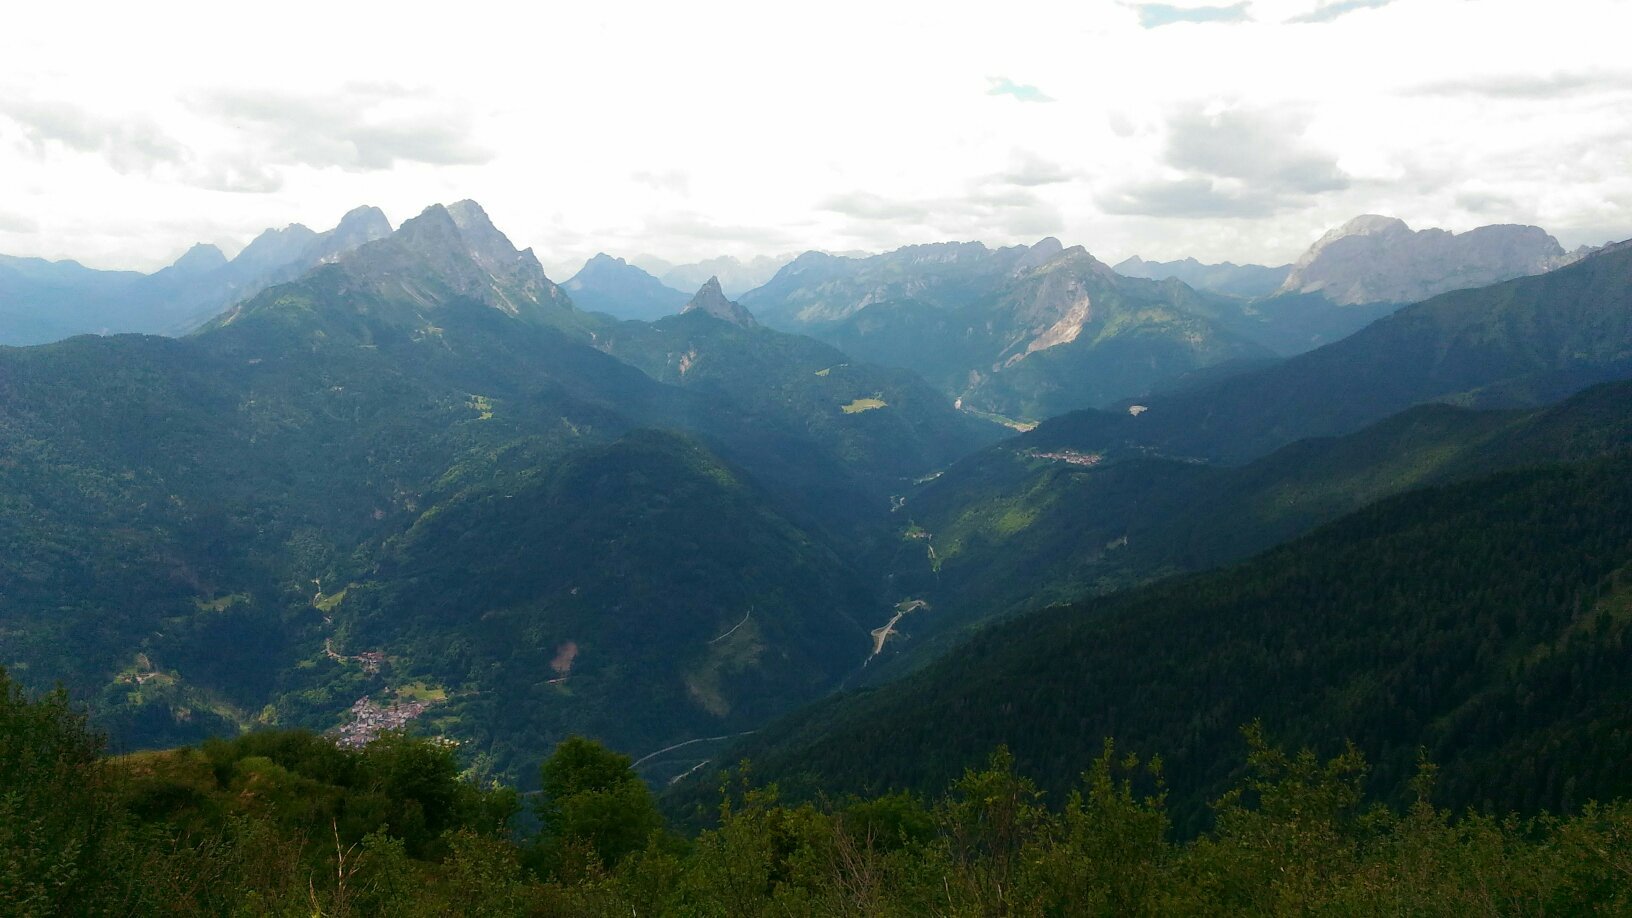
(1222, 130)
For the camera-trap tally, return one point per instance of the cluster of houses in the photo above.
(369, 719)
(1070, 456)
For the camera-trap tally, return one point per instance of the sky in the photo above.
(1219, 130)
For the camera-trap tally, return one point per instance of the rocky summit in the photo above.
(1374, 259)
(710, 299)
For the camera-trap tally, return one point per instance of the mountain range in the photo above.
(1228, 278)
(43, 301)
(1018, 332)
(1521, 342)
(291, 508)
(736, 276)
(1374, 259)
(414, 482)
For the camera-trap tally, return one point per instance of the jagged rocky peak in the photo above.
(712, 300)
(274, 248)
(492, 249)
(432, 228)
(362, 224)
(938, 253)
(1376, 259)
(480, 234)
(474, 260)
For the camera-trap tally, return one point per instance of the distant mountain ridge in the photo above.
(1521, 342)
(1228, 278)
(618, 288)
(1020, 332)
(736, 276)
(41, 301)
(1373, 259)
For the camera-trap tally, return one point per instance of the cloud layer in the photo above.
(1223, 129)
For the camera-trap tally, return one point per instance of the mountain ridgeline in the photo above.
(259, 517)
(402, 480)
(1015, 332)
(1522, 342)
(43, 301)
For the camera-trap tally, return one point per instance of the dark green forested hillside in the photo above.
(641, 592)
(254, 525)
(1524, 342)
(1016, 527)
(1484, 622)
(285, 823)
(885, 421)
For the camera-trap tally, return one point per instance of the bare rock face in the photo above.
(712, 301)
(459, 249)
(1373, 259)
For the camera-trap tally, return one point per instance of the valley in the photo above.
(543, 520)
(417, 495)
(883, 633)
(867, 461)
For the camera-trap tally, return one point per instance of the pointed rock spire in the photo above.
(711, 300)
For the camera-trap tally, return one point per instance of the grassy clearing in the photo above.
(737, 653)
(421, 691)
(222, 603)
(483, 406)
(865, 404)
(327, 603)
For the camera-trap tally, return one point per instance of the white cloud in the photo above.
(742, 128)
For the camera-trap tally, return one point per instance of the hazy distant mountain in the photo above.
(1230, 279)
(46, 300)
(736, 277)
(1360, 272)
(43, 301)
(1374, 259)
(618, 288)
